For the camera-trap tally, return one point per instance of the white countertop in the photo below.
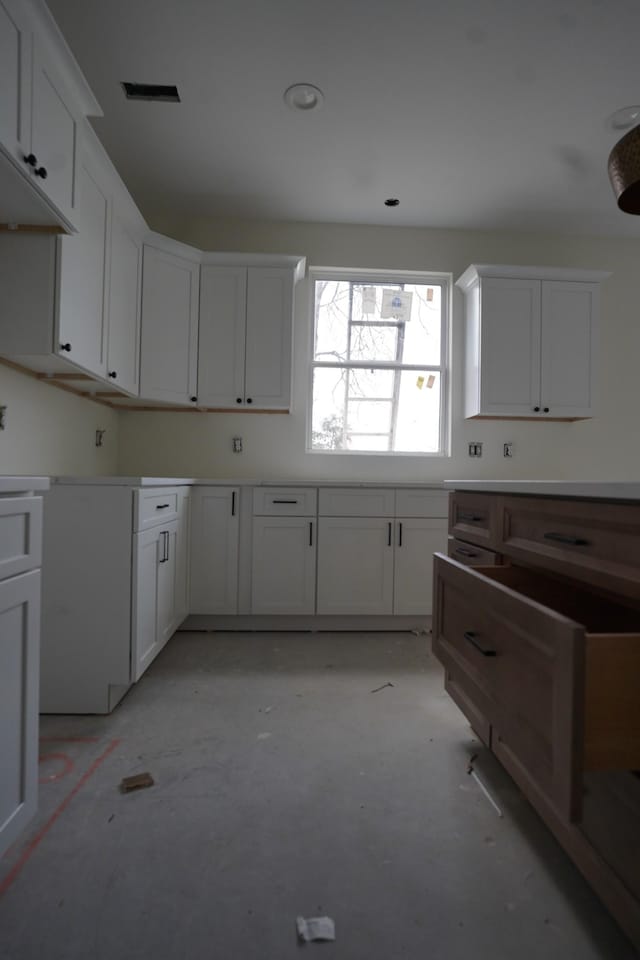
(23, 484)
(244, 482)
(587, 489)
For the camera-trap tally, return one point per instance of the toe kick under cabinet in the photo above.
(115, 588)
(542, 654)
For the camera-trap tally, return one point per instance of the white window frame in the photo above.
(445, 282)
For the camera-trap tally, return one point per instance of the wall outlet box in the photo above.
(237, 444)
(475, 449)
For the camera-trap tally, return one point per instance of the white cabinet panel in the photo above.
(183, 566)
(169, 345)
(285, 502)
(154, 572)
(123, 359)
(268, 341)
(214, 550)
(422, 503)
(510, 346)
(221, 335)
(19, 632)
(283, 565)
(569, 321)
(355, 565)
(416, 542)
(15, 80)
(20, 535)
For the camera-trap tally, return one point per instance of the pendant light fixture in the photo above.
(624, 161)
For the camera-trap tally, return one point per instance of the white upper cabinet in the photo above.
(169, 345)
(44, 100)
(245, 341)
(531, 341)
(125, 274)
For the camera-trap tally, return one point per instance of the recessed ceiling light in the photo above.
(303, 96)
(625, 118)
(392, 202)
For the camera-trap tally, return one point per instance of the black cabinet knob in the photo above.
(546, 410)
(238, 399)
(113, 374)
(66, 346)
(41, 172)
(537, 409)
(194, 399)
(31, 159)
(249, 400)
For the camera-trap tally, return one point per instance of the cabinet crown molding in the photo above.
(477, 271)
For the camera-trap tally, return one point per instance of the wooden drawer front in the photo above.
(597, 543)
(422, 503)
(471, 555)
(152, 507)
(356, 502)
(610, 820)
(527, 661)
(471, 517)
(20, 535)
(285, 501)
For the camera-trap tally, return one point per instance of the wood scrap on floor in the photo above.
(137, 782)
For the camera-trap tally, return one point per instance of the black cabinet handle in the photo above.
(389, 538)
(162, 506)
(284, 501)
(249, 400)
(310, 533)
(400, 534)
(238, 399)
(472, 638)
(233, 503)
(466, 553)
(41, 172)
(31, 159)
(66, 346)
(470, 517)
(537, 409)
(165, 546)
(567, 538)
(113, 374)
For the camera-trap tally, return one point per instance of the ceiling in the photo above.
(489, 114)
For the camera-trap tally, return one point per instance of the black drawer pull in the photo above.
(310, 533)
(567, 538)
(233, 503)
(472, 638)
(466, 553)
(470, 517)
(285, 501)
(162, 506)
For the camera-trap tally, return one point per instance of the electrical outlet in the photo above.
(507, 449)
(100, 438)
(237, 444)
(475, 449)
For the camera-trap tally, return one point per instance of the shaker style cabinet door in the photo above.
(154, 566)
(569, 343)
(214, 550)
(417, 539)
(269, 338)
(355, 565)
(221, 336)
(283, 577)
(123, 355)
(15, 81)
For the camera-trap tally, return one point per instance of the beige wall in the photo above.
(49, 432)
(174, 444)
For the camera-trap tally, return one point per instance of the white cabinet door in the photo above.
(416, 542)
(169, 345)
(54, 133)
(123, 358)
(214, 550)
(221, 336)
(19, 671)
(510, 347)
(15, 81)
(183, 538)
(283, 573)
(269, 338)
(153, 588)
(569, 343)
(81, 333)
(355, 565)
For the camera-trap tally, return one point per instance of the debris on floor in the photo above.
(315, 928)
(264, 736)
(387, 684)
(472, 773)
(137, 782)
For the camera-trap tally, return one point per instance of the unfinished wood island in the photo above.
(537, 622)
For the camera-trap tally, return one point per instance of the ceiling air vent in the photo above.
(151, 91)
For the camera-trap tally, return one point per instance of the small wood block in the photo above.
(137, 782)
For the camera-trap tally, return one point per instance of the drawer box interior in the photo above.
(611, 668)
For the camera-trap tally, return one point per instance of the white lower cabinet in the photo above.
(355, 565)
(214, 550)
(416, 541)
(154, 591)
(283, 565)
(20, 542)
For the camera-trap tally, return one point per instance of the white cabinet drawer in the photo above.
(20, 535)
(151, 507)
(284, 502)
(356, 502)
(422, 503)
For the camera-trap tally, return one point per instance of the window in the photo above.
(379, 349)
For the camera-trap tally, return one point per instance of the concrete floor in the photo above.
(284, 786)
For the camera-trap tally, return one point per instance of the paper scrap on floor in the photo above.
(315, 928)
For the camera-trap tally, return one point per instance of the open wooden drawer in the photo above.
(551, 670)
